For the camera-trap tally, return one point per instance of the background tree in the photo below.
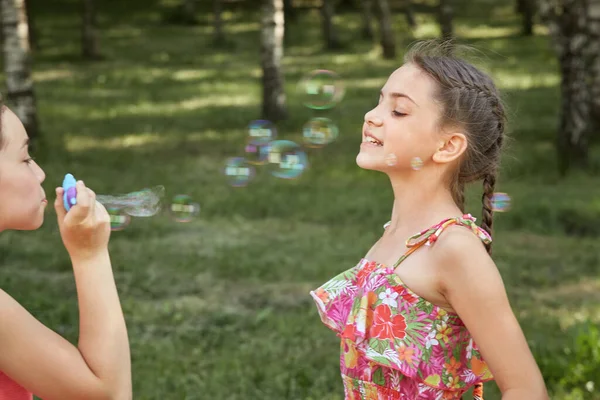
(386, 32)
(575, 28)
(89, 33)
(527, 10)
(33, 35)
(17, 64)
(218, 34)
(289, 11)
(273, 25)
(445, 17)
(189, 7)
(329, 30)
(410, 14)
(367, 18)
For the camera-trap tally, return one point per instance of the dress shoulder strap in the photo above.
(428, 236)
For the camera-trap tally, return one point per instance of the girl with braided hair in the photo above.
(437, 323)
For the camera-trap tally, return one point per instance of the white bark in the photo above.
(574, 26)
(271, 59)
(17, 63)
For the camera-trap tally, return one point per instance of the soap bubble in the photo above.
(391, 159)
(260, 133)
(183, 208)
(238, 172)
(500, 202)
(287, 160)
(119, 220)
(416, 163)
(319, 132)
(143, 203)
(321, 89)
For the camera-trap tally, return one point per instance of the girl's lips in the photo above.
(369, 144)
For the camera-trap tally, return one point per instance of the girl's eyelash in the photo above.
(29, 160)
(398, 114)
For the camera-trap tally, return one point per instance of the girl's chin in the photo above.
(368, 161)
(32, 225)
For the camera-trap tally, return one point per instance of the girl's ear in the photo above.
(451, 148)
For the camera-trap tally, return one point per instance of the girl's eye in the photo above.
(29, 160)
(398, 114)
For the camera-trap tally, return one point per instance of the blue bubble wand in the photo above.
(143, 203)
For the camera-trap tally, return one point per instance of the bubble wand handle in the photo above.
(70, 192)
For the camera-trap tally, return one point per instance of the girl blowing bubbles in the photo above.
(432, 325)
(34, 359)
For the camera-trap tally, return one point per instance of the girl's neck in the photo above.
(418, 206)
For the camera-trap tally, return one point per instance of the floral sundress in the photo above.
(395, 344)
(10, 390)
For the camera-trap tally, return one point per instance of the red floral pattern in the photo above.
(395, 344)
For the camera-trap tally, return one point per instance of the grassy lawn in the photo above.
(218, 308)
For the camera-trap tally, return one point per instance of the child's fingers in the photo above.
(81, 210)
(83, 196)
(59, 204)
(92, 198)
(101, 213)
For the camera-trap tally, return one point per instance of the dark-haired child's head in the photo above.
(22, 198)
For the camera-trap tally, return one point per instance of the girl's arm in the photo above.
(48, 365)
(471, 283)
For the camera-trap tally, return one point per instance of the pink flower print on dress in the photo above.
(396, 344)
(374, 282)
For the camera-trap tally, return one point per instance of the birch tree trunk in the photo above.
(574, 28)
(272, 31)
(17, 64)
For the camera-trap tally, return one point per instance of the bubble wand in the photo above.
(143, 203)
(70, 191)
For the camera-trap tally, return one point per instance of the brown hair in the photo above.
(469, 100)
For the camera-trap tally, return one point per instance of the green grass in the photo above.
(219, 308)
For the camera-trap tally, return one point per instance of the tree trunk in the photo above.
(410, 15)
(289, 11)
(218, 34)
(572, 141)
(445, 19)
(388, 42)
(527, 10)
(89, 33)
(347, 5)
(33, 37)
(329, 32)
(274, 107)
(573, 27)
(17, 64)
(367, 18)
(519, 6)
(188, 8)
(594, 30)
